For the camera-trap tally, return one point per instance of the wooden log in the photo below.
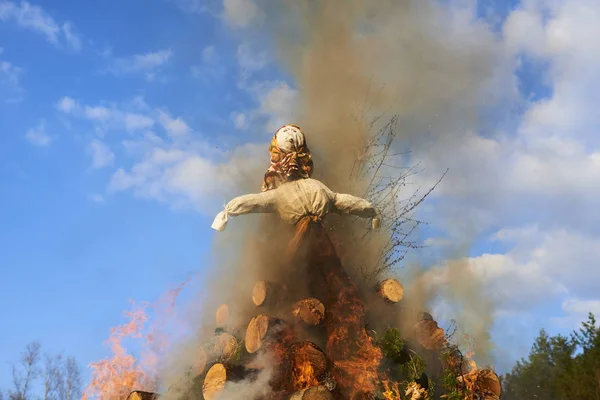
(214, 382)
(425, 316)
(488, 383)
(265, 294)
(430, 335)
(307, 364)
(225, 347)
(391, 290)
(199, 362)
(222, 315)
(313, 393)
(261, 328)
(139, 395)
(482, 384)
(310, 310)
(219, 374)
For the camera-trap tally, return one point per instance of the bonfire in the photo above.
(320, 347)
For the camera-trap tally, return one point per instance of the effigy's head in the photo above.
(290, 157)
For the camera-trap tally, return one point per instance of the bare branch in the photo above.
(53, 377)
(24, 377)
(383, 167)
(71, 383)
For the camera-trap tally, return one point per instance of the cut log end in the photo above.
(226, 346)
(139, 395)
(214, 382)
(391, 290)
(222, 315)
(219, 374)
(313, 393)
(310, 310)
(259, 293)
(199, 362)
(430, 335)
(255, 333)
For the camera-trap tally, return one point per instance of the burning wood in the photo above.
(307, 363)
(391, 290)
(313, 393)
(138, 395)
(310, 310)
(481, 384)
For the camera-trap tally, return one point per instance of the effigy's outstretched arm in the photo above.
(348, 204)
(250, 203)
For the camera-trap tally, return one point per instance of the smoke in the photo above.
(250, 389)
(434, 66)
(429, 63)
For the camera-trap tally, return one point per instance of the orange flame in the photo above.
(355, 357)
(392, 390)
(304, 376)
(115, 377)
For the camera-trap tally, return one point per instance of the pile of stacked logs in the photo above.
(303, 369)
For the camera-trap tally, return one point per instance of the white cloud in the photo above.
(38, 137)
(101, 154)
(278, 102)
(66, 104)
(581, 308)
(114, 117)
(209, 55)
(96, 198)
(36, 19)
(139, 103)
(71, 37)
(97, 113)
(575, 312)
(504, 279)
(174, 126)
(250, 58)
(194, 176)
(10, 81)
(135, 122)
(241, 13)
(193, 6)
(240, 120)
(148, 64)
(210, 69)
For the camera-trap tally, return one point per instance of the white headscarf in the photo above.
(289, 138)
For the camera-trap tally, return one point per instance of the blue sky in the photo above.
(117, 131)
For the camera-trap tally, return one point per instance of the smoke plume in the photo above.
(428, 63)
